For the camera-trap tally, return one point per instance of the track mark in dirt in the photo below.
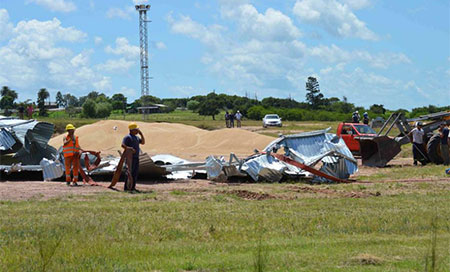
(331, 192)
(250, 195)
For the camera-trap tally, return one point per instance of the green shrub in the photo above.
(103, 110)
(89, 109)
(193, 105)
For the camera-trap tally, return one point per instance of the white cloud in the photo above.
(357, 4)
(104, 84)
(5, 26)
(160, 45)
(81, 59)
(326, 70)
(273, 25)
(34, 58)
(55, 5)
(98, 40)
(210, 36)
(129, 92)
(336, 18)
(124, 48)
(262, 53)
(183, 91)
(122, 13)
(119, 66)
(333, 54)
(137, 2)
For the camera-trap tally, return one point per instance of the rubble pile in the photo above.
(24, 142)
(318, 155)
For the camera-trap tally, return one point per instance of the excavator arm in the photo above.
(379, 150)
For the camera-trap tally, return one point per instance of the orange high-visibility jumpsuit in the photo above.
(71, 152)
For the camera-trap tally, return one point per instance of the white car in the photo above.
(271, 120)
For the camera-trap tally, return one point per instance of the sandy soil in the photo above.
(184, 141)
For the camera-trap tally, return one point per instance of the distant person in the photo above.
(355, 117)
(231, 120)
(366, 118)
(443, 131)
(238, 117)
(418, 147)
(30, 111)
(21, 110)
(72, 152)
(131, 142)
(227, 119)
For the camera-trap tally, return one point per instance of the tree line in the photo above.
(315, 106)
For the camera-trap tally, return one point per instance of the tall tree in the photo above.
(377, 108)
(119, 102)
(71, 101)
(42, 95)
(60, 101)
(7, 100)
(211, 105)
(313, 95)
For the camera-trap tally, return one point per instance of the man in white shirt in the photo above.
(416, 138)
(238, 117)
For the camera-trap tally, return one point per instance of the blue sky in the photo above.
(395, 53)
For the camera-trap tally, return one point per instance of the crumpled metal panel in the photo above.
(33, 137)
(214, 168)
(265, 167)
(51, 169)
(6, 140)
(312, 145)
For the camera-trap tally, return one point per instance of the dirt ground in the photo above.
(168, 190)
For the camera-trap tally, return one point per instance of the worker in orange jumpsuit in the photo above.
(72, 153)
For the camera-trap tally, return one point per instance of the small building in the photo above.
(155, 108)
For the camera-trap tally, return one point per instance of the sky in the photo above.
(395, 53)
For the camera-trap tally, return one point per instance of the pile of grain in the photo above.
(184, 141)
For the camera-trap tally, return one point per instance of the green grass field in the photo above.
(380, 223)
(195, 231)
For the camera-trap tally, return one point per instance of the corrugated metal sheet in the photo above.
(311, 145)
(265, 167)
(33, 137)
(6, 140)
(51, 169)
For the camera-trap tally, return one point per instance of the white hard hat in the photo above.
(357, 112)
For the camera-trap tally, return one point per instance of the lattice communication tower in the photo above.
(144, 47)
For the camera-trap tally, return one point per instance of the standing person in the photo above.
(443, 131)
(366, 118)
(355, 117)
(131, 142)
(238, 117)
(21, 110)
(231, 120)
(227, 119)
(72, 152)
(30, 111)
(416, 137)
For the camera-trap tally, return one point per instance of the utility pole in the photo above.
(144, 54)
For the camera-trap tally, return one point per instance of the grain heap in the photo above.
(184, 141)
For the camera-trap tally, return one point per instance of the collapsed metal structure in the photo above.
(318, 155)
(25, 142)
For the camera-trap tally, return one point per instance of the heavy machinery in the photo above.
(377, 150)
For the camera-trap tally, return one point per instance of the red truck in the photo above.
(351, 132)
